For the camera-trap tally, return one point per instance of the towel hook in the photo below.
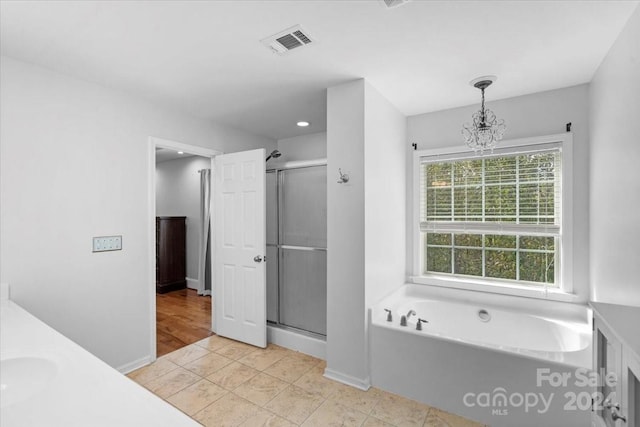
(344, 178)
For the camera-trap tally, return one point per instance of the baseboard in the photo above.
(170, 287)
(298, 342)
(192, 283)
(136, 364)
(362, 384)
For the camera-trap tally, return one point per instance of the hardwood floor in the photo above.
(182, 318)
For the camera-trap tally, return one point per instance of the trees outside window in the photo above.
(496, 218)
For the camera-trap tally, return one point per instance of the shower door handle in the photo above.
(257, 258)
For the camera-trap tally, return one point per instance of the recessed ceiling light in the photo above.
(180, 152)
(303, 124)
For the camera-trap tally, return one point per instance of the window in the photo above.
(495, 219)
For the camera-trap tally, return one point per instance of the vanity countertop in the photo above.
(48, 380)
(623, 320)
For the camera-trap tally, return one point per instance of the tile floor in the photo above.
(221, 382)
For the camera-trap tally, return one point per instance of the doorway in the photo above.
(181, 298)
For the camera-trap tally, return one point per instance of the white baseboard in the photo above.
(298, 342)
(132, 366)
(362, 384)
(192, 283)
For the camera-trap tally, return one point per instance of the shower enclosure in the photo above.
(297, 247)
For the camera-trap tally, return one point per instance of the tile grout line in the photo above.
(330, 397)
(233, 391)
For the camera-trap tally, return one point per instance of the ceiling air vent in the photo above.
(394, 3)
(287, 40)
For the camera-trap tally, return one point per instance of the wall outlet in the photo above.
(107, 243)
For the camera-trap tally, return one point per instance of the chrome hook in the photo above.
(344, 178)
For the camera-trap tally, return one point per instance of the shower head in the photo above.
(274, 154)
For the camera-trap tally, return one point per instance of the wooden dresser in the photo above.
(171, 259)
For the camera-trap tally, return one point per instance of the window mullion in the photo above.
(517, 216)
(517, 257)
(453, 193)
(453, 254)
(484, 256)
(453, 215)
(484, 188)
(538, 192)
(484, 252)
(517, 189)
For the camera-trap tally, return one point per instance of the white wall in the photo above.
(537, 114)
(614, 117)
(178, 194)
(385, 201)
(74, 164)
(346, 343)
(365, 221)
(305, 147)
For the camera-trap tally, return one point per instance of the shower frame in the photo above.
(277, 169)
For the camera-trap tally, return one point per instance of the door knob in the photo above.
(257, 258)
(615, 416)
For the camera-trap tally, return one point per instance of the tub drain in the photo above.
(484, 315)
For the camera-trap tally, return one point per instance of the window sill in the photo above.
(497, 288)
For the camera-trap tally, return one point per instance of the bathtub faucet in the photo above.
(403, 319)
(419, 324)
(389, 316)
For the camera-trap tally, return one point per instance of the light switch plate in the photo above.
(107, 243)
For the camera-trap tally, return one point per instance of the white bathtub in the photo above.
(459, 353)
(563, 337)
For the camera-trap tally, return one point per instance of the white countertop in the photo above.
(623, 320)
(85, 391)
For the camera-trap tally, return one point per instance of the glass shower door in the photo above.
(302, 215)
(272, 246)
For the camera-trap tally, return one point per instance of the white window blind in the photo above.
(497, 216)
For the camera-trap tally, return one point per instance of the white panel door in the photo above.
(239, 297)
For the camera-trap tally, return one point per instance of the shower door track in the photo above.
(297, 330)
(298, 165)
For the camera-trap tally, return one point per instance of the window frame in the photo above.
(564, 290)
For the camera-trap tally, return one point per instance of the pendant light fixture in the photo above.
(485, 130)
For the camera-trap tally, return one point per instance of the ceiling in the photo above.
(166, 154)
(206, 58)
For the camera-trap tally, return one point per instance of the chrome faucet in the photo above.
(389, 316)
(419, 324)
(403, 319)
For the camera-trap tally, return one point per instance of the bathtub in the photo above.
(476, 351)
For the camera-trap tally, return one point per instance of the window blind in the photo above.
(511, 193)
(497, 216)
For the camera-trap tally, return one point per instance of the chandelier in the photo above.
(485, 130)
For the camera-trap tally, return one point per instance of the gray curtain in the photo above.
(204, 263)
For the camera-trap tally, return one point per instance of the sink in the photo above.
(24, 377)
